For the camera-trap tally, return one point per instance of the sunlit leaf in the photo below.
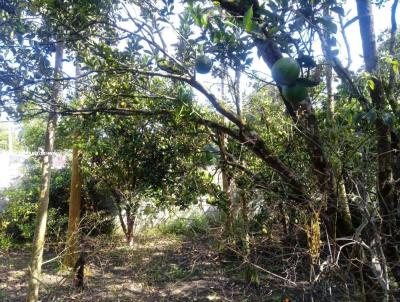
(204, 20)
(395, 66)
(371, 84)
(248, 19)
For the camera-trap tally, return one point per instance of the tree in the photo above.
(387, 195)
(41, 219)
(133, 71)
(139, 160)
(75, 195)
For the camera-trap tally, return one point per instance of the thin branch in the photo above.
(351, 21)
(346, 42)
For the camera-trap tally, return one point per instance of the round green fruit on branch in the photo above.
(285, 71)
(203, 64)
(294, 93)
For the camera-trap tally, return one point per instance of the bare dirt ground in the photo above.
(156, 268)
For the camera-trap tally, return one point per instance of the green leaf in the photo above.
(339, 10)
(273, 30)
(395, 66)
(204, 20)
(196, 19)
(357, 118)
(250, 118)
(371, 84)
(328, 24)
(248, 20)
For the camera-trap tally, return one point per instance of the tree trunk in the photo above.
(226, 178)
(342, 201)
(387, 204)
(245, 218)
(230, 207)
(226, 186)
(74, 197)
(41, 219)
(74, 210)
(328, 72)
(130, 223)
(344, 206)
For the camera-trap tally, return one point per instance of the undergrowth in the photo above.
(194, 225)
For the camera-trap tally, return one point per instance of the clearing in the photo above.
(161, 267)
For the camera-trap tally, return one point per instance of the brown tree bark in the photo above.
(75, 196)
(74, 210)
(226, 185)
(128, 223)
(41, 219)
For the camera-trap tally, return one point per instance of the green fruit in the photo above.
(285, 71)
(203, 64)
(294, 93)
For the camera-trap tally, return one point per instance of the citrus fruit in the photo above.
(294, 93)
(285, 71)
(203, 64)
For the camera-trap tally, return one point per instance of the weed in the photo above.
(195, 224)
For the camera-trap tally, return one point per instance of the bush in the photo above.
(17, 222)
(5, 243)
(195, 224)
(17, 219)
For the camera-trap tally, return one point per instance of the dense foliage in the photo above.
(173, 103)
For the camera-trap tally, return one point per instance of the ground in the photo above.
(157, 268)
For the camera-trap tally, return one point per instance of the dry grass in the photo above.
(156, 268)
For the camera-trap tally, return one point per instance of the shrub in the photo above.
(195, 224)
(5, 242)
(17, 219)
(17, 222)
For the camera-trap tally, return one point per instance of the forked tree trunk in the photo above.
(127, 220)
(41, 219)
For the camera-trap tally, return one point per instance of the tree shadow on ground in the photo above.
(157, 268)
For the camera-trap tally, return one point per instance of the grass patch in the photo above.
(192, 225)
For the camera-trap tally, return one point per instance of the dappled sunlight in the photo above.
(238, 151)
(156, 268)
